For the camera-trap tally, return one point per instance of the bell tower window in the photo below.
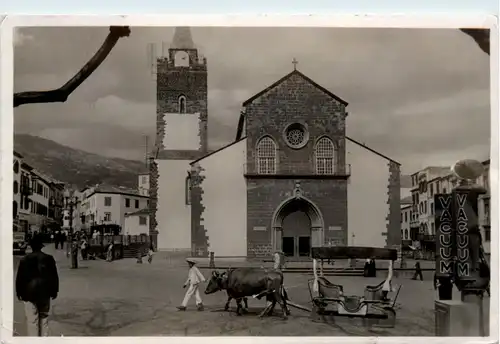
(182, 104)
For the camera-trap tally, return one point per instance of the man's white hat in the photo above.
(189, 260)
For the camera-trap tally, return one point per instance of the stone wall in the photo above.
(199, 238)
(265, 195)
(295, 100)
(153, 201)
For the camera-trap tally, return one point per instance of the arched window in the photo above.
(406, 234)
(266, 156)
(182, 104)
(325, 156)
(16, 166)
(16, 187)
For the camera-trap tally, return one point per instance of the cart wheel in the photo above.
(390, 322)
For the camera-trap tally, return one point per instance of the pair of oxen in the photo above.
(240, 283)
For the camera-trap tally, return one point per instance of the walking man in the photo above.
(37, 282)
(195, 277)
(279, 261)
(151, 252)
(418, 272)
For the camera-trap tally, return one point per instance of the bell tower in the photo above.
(181, 92)
(181, 137)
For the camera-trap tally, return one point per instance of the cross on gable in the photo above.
(295, 62)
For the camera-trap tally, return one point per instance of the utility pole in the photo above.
(146, 148)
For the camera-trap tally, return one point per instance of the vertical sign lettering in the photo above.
(463, 266)
(443, 205)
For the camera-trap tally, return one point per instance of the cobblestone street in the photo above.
(123, 298)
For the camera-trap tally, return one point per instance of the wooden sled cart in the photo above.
(329, 300)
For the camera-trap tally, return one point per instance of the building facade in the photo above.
(289, 181)
(37, 198)
(105, 204)
(440, 180)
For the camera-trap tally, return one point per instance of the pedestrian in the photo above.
(279, 260)
(57, 238)
(84, 248)
(193, 281)
(37, 282)
(150, 252)
(62, 240)
(366, 268)
(418, 272)
(109, 253)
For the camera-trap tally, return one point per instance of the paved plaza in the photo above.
(123, 298)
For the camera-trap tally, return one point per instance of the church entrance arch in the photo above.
(297, 226)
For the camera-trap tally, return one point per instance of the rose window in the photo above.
(296, 135)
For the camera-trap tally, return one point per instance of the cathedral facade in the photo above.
(291, 179)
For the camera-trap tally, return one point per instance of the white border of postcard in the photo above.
(345, 20)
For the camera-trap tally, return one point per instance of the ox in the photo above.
(242, 282)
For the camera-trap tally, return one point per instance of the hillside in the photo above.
(74, 166)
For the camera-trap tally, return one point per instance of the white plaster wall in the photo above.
(133, 226)
(117, 208)
(182, 131)
(367, 196)
(225, 201)
(173, 215)
(114, 209)
(41, 199)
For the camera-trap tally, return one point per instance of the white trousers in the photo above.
(192, 289)
(37, 319)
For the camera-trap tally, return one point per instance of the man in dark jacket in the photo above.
(37, 282)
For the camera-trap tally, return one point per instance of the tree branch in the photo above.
(481, 36)
(61, 94)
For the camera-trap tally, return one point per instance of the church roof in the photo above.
(182, 38)
(217, 150)
(372, 150)
(295, 72)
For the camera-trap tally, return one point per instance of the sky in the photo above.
(419, 96)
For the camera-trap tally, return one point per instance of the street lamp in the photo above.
(70, 202)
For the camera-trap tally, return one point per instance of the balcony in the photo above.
(341, 172)
(414, 223)
(25, 190)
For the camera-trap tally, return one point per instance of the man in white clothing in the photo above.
(195, 277)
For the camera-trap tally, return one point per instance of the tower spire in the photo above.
(182, 38)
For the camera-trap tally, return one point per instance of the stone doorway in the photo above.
(297, 226)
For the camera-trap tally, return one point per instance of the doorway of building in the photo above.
(288, 246)
(296, 233)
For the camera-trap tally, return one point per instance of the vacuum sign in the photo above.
(463, 255)
(443, 210)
